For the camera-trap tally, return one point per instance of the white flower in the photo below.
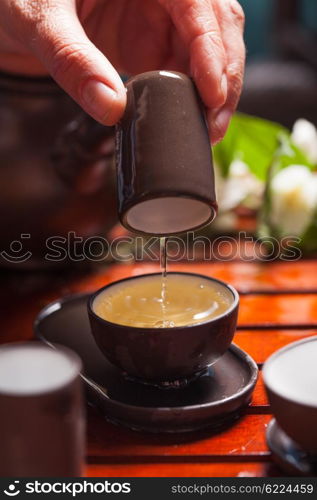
(240, 187)
(304, 136)
(293, 199)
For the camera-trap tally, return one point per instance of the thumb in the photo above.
(82, 70)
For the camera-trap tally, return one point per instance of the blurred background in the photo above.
(266, 164)
(281, 72)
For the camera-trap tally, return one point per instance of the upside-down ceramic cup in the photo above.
(42, 418)
(165, 354)
(163, 155)
(290, 378)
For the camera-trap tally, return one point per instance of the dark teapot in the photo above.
(57, 175)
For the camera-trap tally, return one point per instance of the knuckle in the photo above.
(31, 10)
(184, 6)
(237, 13)
(214, 40)
(37, 10)
(235, 79)
(65, 57)
(235, 69)
(26, 15)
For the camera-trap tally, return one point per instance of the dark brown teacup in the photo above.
(163, 155)
(166, 354)
(42, 418)
(290, 378)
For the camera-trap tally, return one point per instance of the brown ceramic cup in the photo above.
(42, 411)
(290, 380)
(163, 155)
(165, 356)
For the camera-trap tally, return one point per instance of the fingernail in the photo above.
(223, 119)
(224, 85)
(99, 99)
(220, 125)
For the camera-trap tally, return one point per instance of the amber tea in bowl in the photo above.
(169, 328)
(151, 303)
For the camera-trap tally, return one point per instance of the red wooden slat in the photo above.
(260, 344)
(246, 436)
(280, 309)
(247, 469)
(301, 275)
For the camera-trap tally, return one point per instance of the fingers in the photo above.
(213, 33)
(61, 44)
(197, 26)
(231, 23)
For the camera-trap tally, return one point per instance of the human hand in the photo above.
(80, 43)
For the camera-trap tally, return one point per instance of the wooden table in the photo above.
(278, 306)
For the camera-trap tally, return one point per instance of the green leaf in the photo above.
(287, 154)
(256, 142)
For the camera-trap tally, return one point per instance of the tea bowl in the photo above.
(167, 356)
(290, 379)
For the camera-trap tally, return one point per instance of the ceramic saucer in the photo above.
(287, 454)
(213, 400)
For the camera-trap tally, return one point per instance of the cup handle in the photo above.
(81, 144)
